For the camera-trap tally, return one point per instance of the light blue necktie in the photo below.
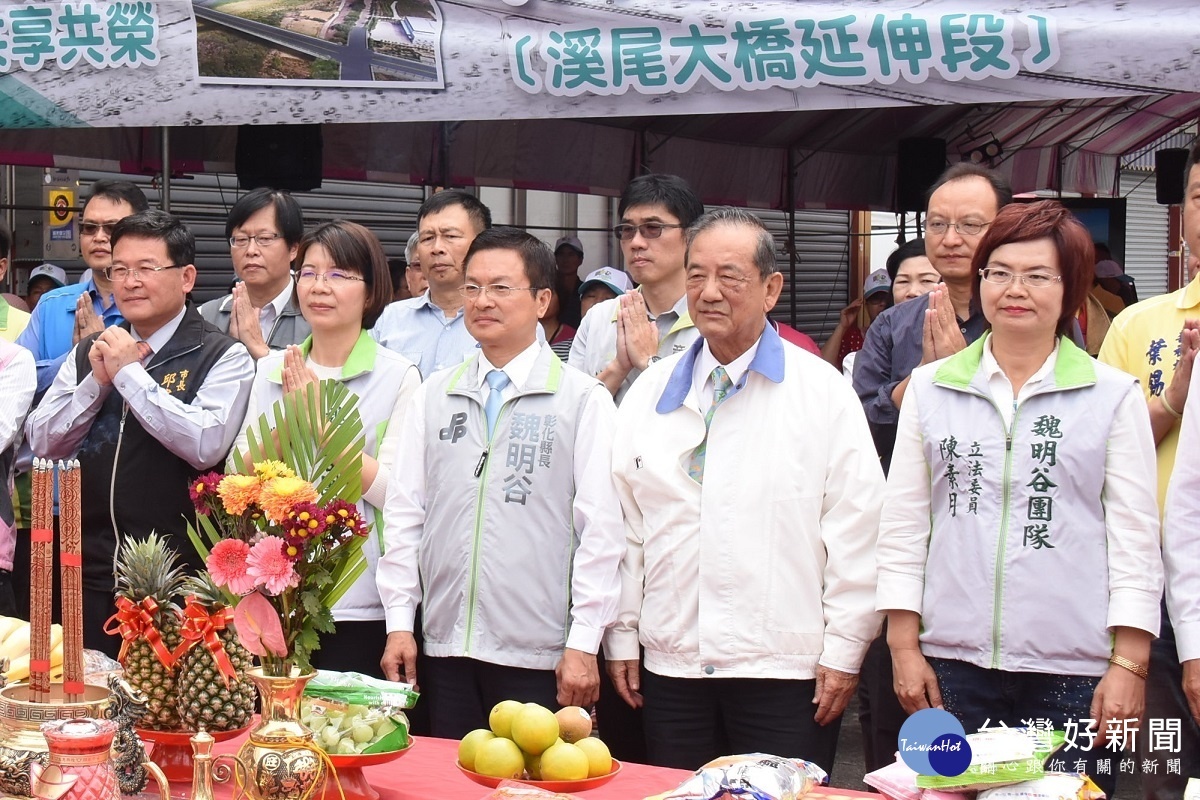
(496, 381)
(721, 386)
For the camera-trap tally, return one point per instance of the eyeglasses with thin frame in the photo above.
(335, 278)
(262, 240)
(964, 228)
(649, 230)
(122, 274)
(499, 291)
(92, 228)
(1034, 280)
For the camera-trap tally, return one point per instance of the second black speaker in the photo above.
(1168, 175)
(919, 163)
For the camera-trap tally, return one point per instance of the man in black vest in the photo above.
(145, 406)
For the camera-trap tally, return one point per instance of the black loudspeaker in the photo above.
(284, 157)
(919, 163)
(1168, 175)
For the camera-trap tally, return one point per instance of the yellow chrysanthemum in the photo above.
(267, 470)
(280, 495)
(239, 492)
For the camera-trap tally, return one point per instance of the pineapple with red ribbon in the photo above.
(149, 581)
(211, 663)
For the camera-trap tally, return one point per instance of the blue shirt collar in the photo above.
(768, 362)
(425, 302)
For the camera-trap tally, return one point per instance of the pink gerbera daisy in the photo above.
(270, 567)
(227, 563)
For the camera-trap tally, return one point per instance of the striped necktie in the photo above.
(721, 386)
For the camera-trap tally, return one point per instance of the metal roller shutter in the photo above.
(1146, 233)
(821, 287)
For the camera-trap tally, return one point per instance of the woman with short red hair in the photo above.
(1019, 560)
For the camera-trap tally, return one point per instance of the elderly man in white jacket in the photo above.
(752, 492)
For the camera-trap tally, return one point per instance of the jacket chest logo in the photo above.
(456, 429)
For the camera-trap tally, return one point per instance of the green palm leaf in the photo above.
(319, 435)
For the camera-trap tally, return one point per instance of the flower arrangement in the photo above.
(285, 545)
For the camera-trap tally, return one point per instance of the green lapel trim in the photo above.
(960, 368)
(380, 432)
(554, 379)
(360, 361)
(684, 321)
(362, 357)
(1073, 368)
(458, 373)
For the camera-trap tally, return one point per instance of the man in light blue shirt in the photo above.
(63, 317)
(430, 330)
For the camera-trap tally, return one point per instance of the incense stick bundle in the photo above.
(41, 580)
(70, 528)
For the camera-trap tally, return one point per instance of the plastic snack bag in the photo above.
(1053, 786)
(352, 713)
(896, 781)
(754, 776)
(1000, 756)
(354, 688)
(938, 794)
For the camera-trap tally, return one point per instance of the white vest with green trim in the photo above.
(375, 375)
(499, 539)
(1017, 573)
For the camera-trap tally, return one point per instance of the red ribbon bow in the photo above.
(134, 621)
(199, 625)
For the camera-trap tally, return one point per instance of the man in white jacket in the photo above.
(751, 492)
(501, 517)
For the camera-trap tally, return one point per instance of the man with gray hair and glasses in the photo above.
(749, 572)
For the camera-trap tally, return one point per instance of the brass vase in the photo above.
(281, 760)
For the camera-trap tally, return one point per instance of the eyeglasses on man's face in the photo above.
(649, 230)
(965, 228)
(262, 240)
(497, 291)
(93, 228)
(121, 274)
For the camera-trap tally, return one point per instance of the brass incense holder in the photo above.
(21, 740)
(25, 706)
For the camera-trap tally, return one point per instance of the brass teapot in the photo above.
(81, 765)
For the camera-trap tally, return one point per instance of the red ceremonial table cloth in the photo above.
(429, 772)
